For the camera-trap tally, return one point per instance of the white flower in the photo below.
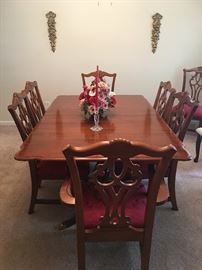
(91, 109)
(92, 93)
(111, 93)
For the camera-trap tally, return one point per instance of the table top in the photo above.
(133, 119)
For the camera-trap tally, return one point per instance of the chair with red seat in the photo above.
(163, 99)
(192, 83)
(39, 170)
(22, 113)
(34, 102)
(102, 75)
(198, 143)
(178, 121)
(116, 208)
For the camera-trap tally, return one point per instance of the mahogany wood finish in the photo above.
(39, 170)
(115, 192)
(133, 118)
(102, 74)
(34, 101)
(192, 82)
(21, 116)
(178, 119)
(163, 99)
(66, 192)
(179, 122)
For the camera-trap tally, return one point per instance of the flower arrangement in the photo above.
(98, 99)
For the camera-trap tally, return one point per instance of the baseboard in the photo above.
(7, 123)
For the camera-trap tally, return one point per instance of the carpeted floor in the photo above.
(32, 241)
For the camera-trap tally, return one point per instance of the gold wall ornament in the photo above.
(51, 29)
(155, 30)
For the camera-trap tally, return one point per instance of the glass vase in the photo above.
(96, 126)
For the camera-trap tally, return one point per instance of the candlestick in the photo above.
(96, 85)
(96, 127)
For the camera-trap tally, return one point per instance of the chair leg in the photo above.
(171, 184)
(35, 186)
(198, 144)
(40, 183)
(81, 254)
(145, 250)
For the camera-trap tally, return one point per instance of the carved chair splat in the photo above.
(112, 207)
(102, 74)
(39, 170)
(163, 99)
(34, 101)
(192, 83)
(179, 121)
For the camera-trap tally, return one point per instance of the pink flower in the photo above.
(81, 103)
(88, 98)
(105, 105)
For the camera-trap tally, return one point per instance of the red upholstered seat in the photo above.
(197, 114)
(94, 207)
(114, 205)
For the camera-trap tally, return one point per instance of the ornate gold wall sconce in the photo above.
(155, 30)
(51, 29)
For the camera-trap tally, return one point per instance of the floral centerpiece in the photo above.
(99, 99)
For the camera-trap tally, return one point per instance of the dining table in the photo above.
(133, 118)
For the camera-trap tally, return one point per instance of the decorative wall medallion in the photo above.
(51, 29)
(155, 30)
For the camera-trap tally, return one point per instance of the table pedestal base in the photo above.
(66, 223)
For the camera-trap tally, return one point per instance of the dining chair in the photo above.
(34, 102)
(178, 121)
(21, 111)
(39, 170)
(163, 99)
(116, 208)
(102, 74)
(198, 143)
(192, 83)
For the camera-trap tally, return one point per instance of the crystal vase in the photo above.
(96, 126)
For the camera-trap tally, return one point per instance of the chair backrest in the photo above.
(33, 99)
(21, 116)
(113, 187)
(163, 99)
(192, 83)
(181, 113)
(102, 74)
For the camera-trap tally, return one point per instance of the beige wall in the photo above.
(116, 37)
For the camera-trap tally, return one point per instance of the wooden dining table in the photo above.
(133, 118)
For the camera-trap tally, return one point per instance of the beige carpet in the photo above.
(32, 242)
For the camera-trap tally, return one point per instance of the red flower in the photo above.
(113, 100)
(92, 100)
(81, 96)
